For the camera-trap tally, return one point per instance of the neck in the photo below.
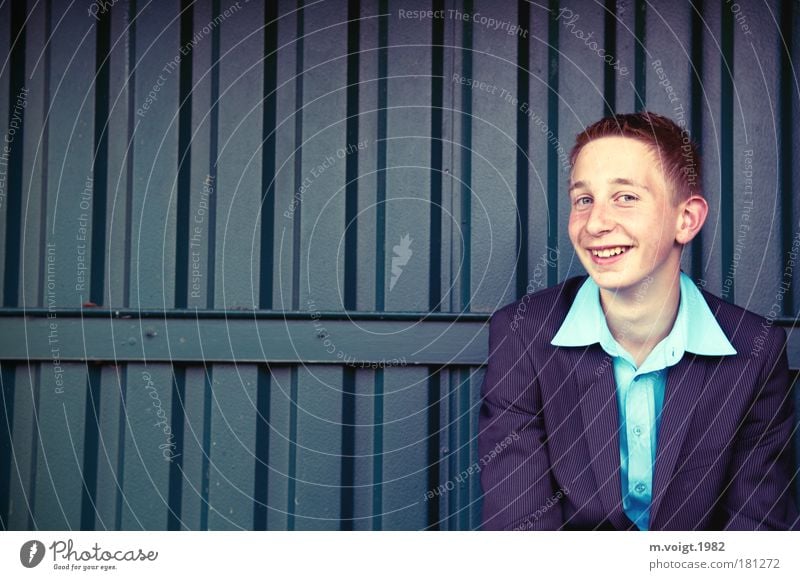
(641, 316)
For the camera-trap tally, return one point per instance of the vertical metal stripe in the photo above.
(639, 62)
(696, 120)
(208, 397)
(726, 148)
(182, 225)
(100, 163)
(466, 160)
(434, 444)
(452, 448)
(475, 490)
(260, 493)
(787, 127)
(437, 100)
(380, 176)
(523, 134)
(609, 74)
(351, 163)
(36, 439)
(291, 491)
(212, 153)
(129, 155)
(178, 414)
(464, 438)
(268, 154)
(298, 169)
(7, 388)
(91, 433)
(14, 160)
(348, 447)
(552, 153)
(123, 385)
(377, 450)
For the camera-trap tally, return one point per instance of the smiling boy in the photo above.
(636, 399)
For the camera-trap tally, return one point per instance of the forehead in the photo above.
(609, 158)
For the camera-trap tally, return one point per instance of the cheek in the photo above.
(574, 226)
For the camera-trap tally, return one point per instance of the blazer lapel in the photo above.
(594, 377)
(684, 383)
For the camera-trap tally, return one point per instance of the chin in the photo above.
(613, 282)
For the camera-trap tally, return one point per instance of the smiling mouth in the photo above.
(609, 252)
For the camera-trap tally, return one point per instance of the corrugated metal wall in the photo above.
(249, 251)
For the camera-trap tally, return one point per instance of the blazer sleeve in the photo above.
(760, 492)
(518, 488)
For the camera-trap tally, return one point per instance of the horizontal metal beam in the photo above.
(377, 339)
(182, 339)
(193, 313)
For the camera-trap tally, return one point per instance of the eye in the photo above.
(582, 201)
(627, 198)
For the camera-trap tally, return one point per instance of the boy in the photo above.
(637, 401)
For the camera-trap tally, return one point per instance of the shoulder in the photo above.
(746, 330)
(540, 313)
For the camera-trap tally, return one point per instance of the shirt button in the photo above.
(640, 487)
(637, 430)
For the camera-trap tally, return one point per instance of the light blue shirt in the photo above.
(640, 391)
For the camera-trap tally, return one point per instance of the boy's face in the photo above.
(622, 222)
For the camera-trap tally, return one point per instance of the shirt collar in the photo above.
(585, 324)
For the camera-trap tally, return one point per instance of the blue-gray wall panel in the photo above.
(5, 99)
(232, 452)
(323, 135)
(368, 432)
(753, 266)
(542, 138)
(60, 420)
(147, 410)
(710, 98)
(195, 462)
(280, 462)
(368, 122)
(408, 155)
(288, 153)
(317, 499)
(34, 153)
(155, 153)
(494, 156)
(203, 182)
(69, 155)
(310, 441)
(122, 118)
(239, 163)
(110, 425)
(24, 446)
(405, 461)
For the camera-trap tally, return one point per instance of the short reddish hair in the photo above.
(680, 160)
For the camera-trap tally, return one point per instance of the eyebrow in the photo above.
(615, 181)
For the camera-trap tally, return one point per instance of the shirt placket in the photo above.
(640, 470)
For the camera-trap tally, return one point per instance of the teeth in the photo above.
(608, 252)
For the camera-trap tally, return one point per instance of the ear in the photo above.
(691, 218)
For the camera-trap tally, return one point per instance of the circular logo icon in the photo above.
(31, 553)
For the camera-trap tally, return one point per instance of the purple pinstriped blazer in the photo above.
(549, 428)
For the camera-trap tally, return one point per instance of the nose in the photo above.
(600, 219)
